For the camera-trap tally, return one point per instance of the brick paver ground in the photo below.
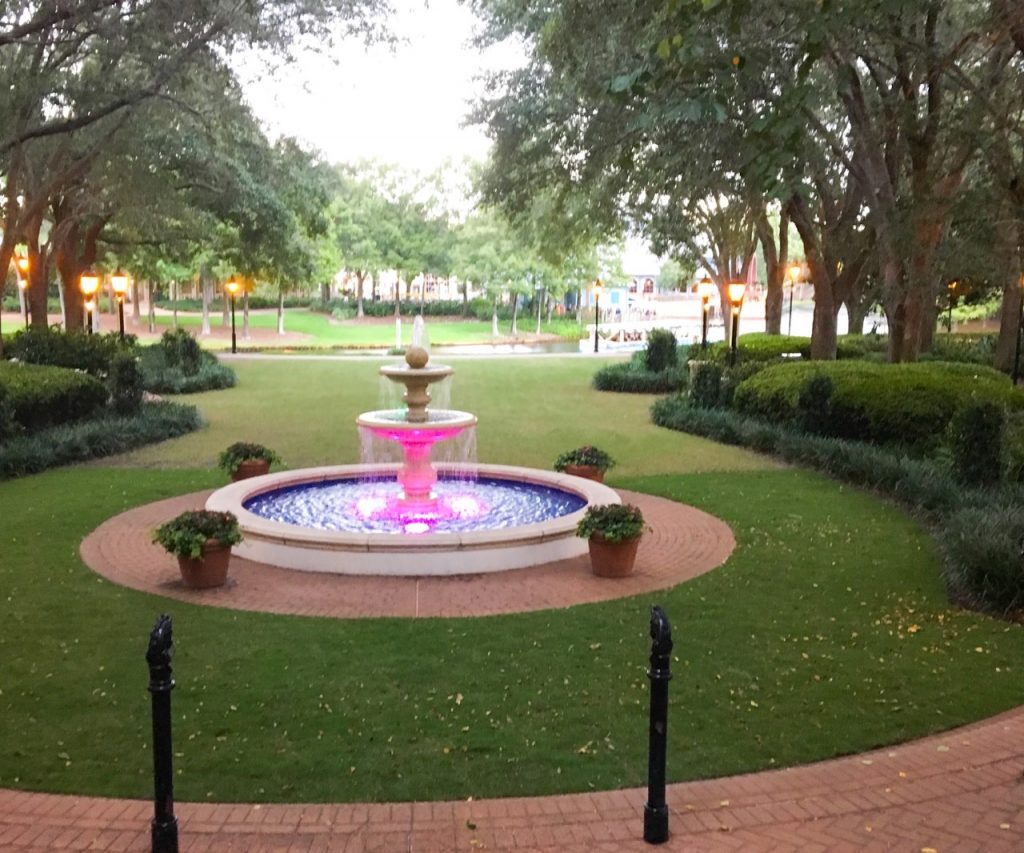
(960, 791)
(683, 543)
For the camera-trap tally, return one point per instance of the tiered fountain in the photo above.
(414, 518)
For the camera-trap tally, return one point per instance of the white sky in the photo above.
(404, 105)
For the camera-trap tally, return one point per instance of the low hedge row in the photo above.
(217, 304)
(347, 308)
(979, 530)
(902, 404)
(95, 438)
(631, 378)
(42, 396)
(91, 353)
(762, 347)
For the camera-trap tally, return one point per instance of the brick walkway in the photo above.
(961, 791)
(684, 543)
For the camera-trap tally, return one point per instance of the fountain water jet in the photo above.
(402, 519)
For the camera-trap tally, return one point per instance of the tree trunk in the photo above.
(136, 308)
(245, 315)
(174, 302)
(540, 308)
(206, 286)
(494, 318)
(776, 258)
(280, 311)
(465, 298)
(515, 315)
(1010, 237)
(857, 312)
(360, 278)
(151, 307)
(225, 311)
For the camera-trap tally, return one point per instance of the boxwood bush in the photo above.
(42, 396)
(904, 404)
(629, 377)
(91, 353)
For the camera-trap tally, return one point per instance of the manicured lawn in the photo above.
(372, 332)
(827, 631)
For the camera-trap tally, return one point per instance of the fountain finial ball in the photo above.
(417, 357)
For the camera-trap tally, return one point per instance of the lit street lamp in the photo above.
(21, 264)
(794, 274)
(597, 309)
(232, 287)
(736, 293)
(952, 299)
(89, 283)
(705, 288)
(119, 281)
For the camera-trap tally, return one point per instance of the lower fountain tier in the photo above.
(310, 549)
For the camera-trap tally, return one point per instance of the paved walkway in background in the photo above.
(683, 543)
(961, 791)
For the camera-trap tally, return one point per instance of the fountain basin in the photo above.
(311, 549)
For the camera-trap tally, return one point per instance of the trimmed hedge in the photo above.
(904, 404)
(42, 396)
(75, 350)
(159, 378)
(762, 347)
(984, 565)
(95, 438)
(632, 379)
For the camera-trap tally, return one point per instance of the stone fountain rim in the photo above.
(303, 548)
(455, 419)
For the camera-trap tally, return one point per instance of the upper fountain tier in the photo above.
(416, 375)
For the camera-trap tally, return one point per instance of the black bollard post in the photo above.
(158, 656)
(655, 809)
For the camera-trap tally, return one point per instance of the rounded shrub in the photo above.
(125, 383)
(706, 387)
(814, 404)
(661, 352)
(42, 396)
(976, 440)
(181, 350)
(73, 350)
(901, 404)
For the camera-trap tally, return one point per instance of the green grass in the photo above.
(376, 332)
(527, 410)
(827, 631)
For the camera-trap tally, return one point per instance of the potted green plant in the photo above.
(243, 459)
(613, 532)
(201, 540)
(587, 461)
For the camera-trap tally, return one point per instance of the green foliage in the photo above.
(256, 303)
(182, 351)
(904, 404)
(95, 438)
(159, 378)
(244, 451)
(409, 307)
(815, 404)
(187, 534)
(74, 350)
(615, 522)
(586, 455)
(632, 378)
(706, 386)
(971, 349)
(44, 396)
(8, 425)
(125, 383)
(661, 352)
(985, 556)
(760, 347)
(976, 439)
(1013, 447)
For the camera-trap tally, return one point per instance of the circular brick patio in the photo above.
(684, 543)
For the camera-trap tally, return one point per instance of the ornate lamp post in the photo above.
(597, 309)
(705, 289)
(232, 287)
(89, 283)
(951, 287)
(119, 281)
(794, 274)
(736, 290)
(21, 264)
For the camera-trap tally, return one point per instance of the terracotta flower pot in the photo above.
(589, 472)
(209, 570)
(250, 468)
(612, 559)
